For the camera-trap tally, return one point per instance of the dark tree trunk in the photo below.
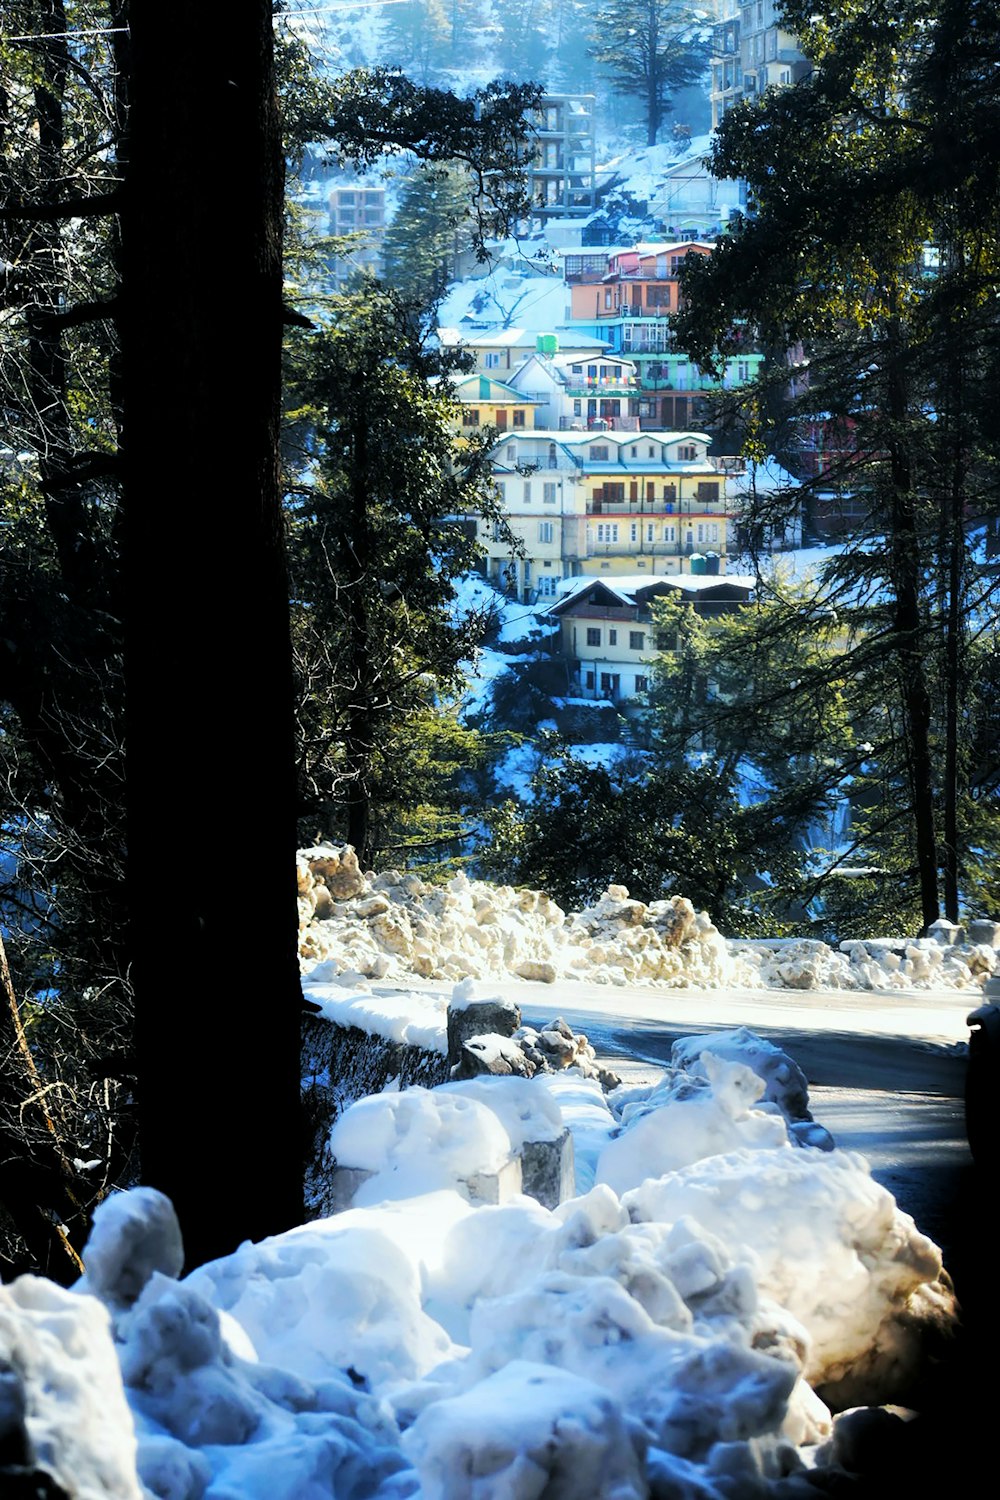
(904, 570)
(359, 732)
(210, 785)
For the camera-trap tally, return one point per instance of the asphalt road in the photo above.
(886, 1076)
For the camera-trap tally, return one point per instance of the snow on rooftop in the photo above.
(531, 302)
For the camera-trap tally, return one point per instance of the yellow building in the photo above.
(607, 504)
(486, 402)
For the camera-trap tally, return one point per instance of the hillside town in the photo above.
(499, 749)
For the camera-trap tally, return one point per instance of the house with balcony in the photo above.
(562, 178)
(608, 633)
(631, 307)
(608, 504)
(575, 392)
(752, 50)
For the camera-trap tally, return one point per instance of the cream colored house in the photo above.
(607, 503)
(607, 631)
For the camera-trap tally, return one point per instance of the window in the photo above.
(641, 684)
(650, 532)
(549, 492)
(512, 453)
(634, 452)
(599, 453)
(670, 493)
(577, 409)
(670, 533)
(501, 489)
(634, 532)
(637, 640)
(576, 369)
(607, 531)
(588, 679)
(470, 416)
(519, 419)
(687, 453)
(498, 532)
(545, 531)
(547, 585)
(593, 635)
(612, 637)
(492, 361)
(591, 372)
(708, 489)
(650, 451)
(527, 492)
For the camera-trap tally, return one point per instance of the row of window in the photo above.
(546, 531)
(548, 491)
(471, 417)
(611, 683)
(636, 638)
(652, 531)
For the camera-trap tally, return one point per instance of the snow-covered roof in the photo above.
(625, 587)
(497, 337)
(537, 303)
(765, 477)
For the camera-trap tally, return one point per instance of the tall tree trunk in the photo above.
(210, 784)
(904, 570)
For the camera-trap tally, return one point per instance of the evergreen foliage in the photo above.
(650, 49)
(873, 253)
(430, 229)
(378, 534)
(77, 255)
(657, 827)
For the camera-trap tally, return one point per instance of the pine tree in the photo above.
(430, 230)
(650, 49)
(851, 179)
(379, 532)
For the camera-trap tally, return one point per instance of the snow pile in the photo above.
(395, 924)
(357, 925)
(656, 1334)
(61, 1403)
(876, 964)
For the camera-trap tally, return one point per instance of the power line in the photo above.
(313, 10)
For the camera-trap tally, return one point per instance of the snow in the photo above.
(669, 1324)
(505, 298)
(395, 926)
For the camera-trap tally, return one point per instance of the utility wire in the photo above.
(314, 10)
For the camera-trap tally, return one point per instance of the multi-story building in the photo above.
(606, 504)
(358, 209)
(498, 352)
(608, 634)
(752, 51)
(562, 180)
(578, 392)
(630, 306)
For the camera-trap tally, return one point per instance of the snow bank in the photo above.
(393, 924)
(360, 926)
(62, 1409)
(664, 1331)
